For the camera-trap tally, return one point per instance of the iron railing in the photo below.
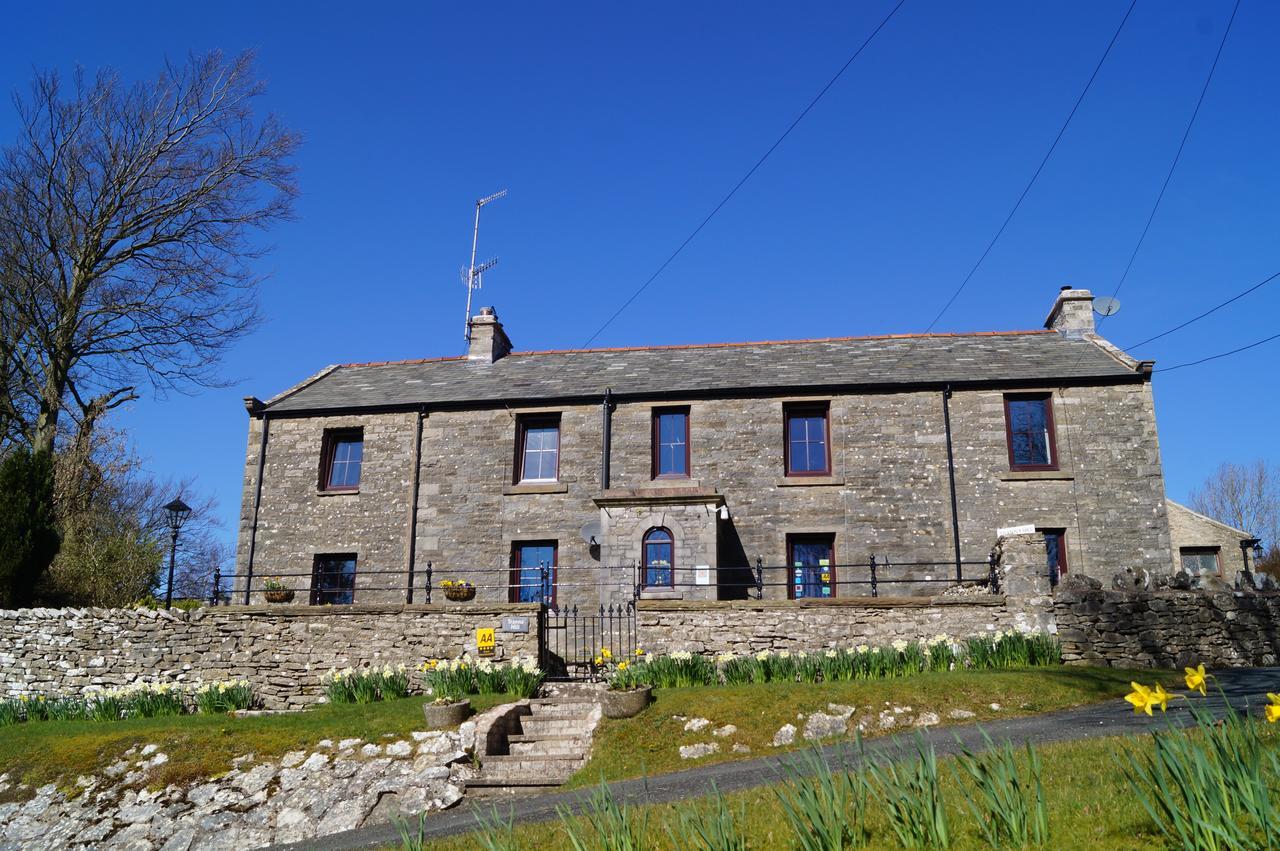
(621, 582)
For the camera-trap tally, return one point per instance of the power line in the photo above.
(1177, 156)
(1036, 175)
(1222, 355)
(745, 178)
(1213, 309)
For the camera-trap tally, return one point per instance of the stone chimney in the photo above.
(1072, 314)
(488, 341)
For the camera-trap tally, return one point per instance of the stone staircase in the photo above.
(534, 744)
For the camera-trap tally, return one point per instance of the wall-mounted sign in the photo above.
(485, 641)
(1027, 529)
(515, 624)
(702, 574)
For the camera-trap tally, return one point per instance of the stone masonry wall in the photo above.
(1164, 629)
(284, 651)
(1189, 529)
(751, 626)
(887, 495)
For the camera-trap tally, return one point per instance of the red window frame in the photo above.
(656, 445)
(644, 558)
(1047, 400)
(523, 424)
(513, 586)
(328, 444)
(805, 409)
(828, 538)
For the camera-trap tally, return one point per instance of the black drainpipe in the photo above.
(951, 475)
(606, 437)
(413, 506)
(257, 502)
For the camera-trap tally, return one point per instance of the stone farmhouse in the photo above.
(702, 472)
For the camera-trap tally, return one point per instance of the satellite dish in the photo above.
(1105, 305)
(592, 532)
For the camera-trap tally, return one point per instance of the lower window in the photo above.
(812, 566)
(659, 554)
(533, 572)
(1055, 553)
(333, 580)
(1200, 561)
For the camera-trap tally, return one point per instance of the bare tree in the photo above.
(127, 215)
(1246, 496)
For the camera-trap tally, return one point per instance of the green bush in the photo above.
(29, 538)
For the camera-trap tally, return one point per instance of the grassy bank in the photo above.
(198, 746)
(649, 742)
(1089, 804)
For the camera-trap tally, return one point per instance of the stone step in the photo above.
(522, 761)
(539, 727)
(567, 745)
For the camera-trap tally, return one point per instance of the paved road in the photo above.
(1240, 687)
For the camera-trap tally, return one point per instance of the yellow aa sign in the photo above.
(485, 641)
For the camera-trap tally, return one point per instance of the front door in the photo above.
(812, 566)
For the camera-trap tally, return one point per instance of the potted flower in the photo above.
(629, 690)
(448, 683)
(276, 591)
(458, 590)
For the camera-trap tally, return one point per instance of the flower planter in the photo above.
(441, 715)
(285, 596)
(460, 595)
(624, 704)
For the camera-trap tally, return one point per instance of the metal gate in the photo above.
(569, 640)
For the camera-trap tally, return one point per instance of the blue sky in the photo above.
(617, 128)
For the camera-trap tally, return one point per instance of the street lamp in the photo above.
(176, 513)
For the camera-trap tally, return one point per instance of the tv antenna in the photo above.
(473, 275)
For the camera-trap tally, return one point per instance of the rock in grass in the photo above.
(726, 730)
(699, 750)
(786, 735)
(696, 725)
(960, 714)
(820, 725)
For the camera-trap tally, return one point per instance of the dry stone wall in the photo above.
(284, 651)
(752, 626)
(1165, 629)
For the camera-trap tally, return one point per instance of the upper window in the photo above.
(808, 450)
(1200, 561)
(671, 443)
(539, 449)
(333, 580)
(1029, 425)
(342, 455)
(659, 549)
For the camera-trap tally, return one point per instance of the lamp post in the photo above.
(176, 513)
(1247, 544)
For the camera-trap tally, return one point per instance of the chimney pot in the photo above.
(488, 341)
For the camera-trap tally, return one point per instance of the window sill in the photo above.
(1037, 475)
(337, 492)
(809, 481)
(534, 487)
(661, 594)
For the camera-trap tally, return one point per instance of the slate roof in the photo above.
(935, 359)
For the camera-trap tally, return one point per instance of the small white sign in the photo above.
(1026, 529)
(702, 574)
(515, 624)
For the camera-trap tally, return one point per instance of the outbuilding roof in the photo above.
(791, 366)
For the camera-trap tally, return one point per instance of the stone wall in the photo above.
(284, 651)
(751, 626)
(1164, 629)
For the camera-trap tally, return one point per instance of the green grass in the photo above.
(198, 746)
(648, 743)
(1090, 806)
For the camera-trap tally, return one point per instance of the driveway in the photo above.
(1241, 688)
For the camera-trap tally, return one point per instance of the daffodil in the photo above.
(1140, 697)
(1160, 697)
(1195, 679)
(1273, 708)
(599, 661)
(606, 653)
(622, 666)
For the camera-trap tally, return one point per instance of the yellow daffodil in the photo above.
(605, 652)
(639, 651)
(1140, 697)
(599, 661)
(622, 666)
(1160, 697)
(1196, 679)
(1273, 708)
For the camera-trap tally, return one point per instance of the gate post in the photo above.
(874, 580)
(759, 578)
